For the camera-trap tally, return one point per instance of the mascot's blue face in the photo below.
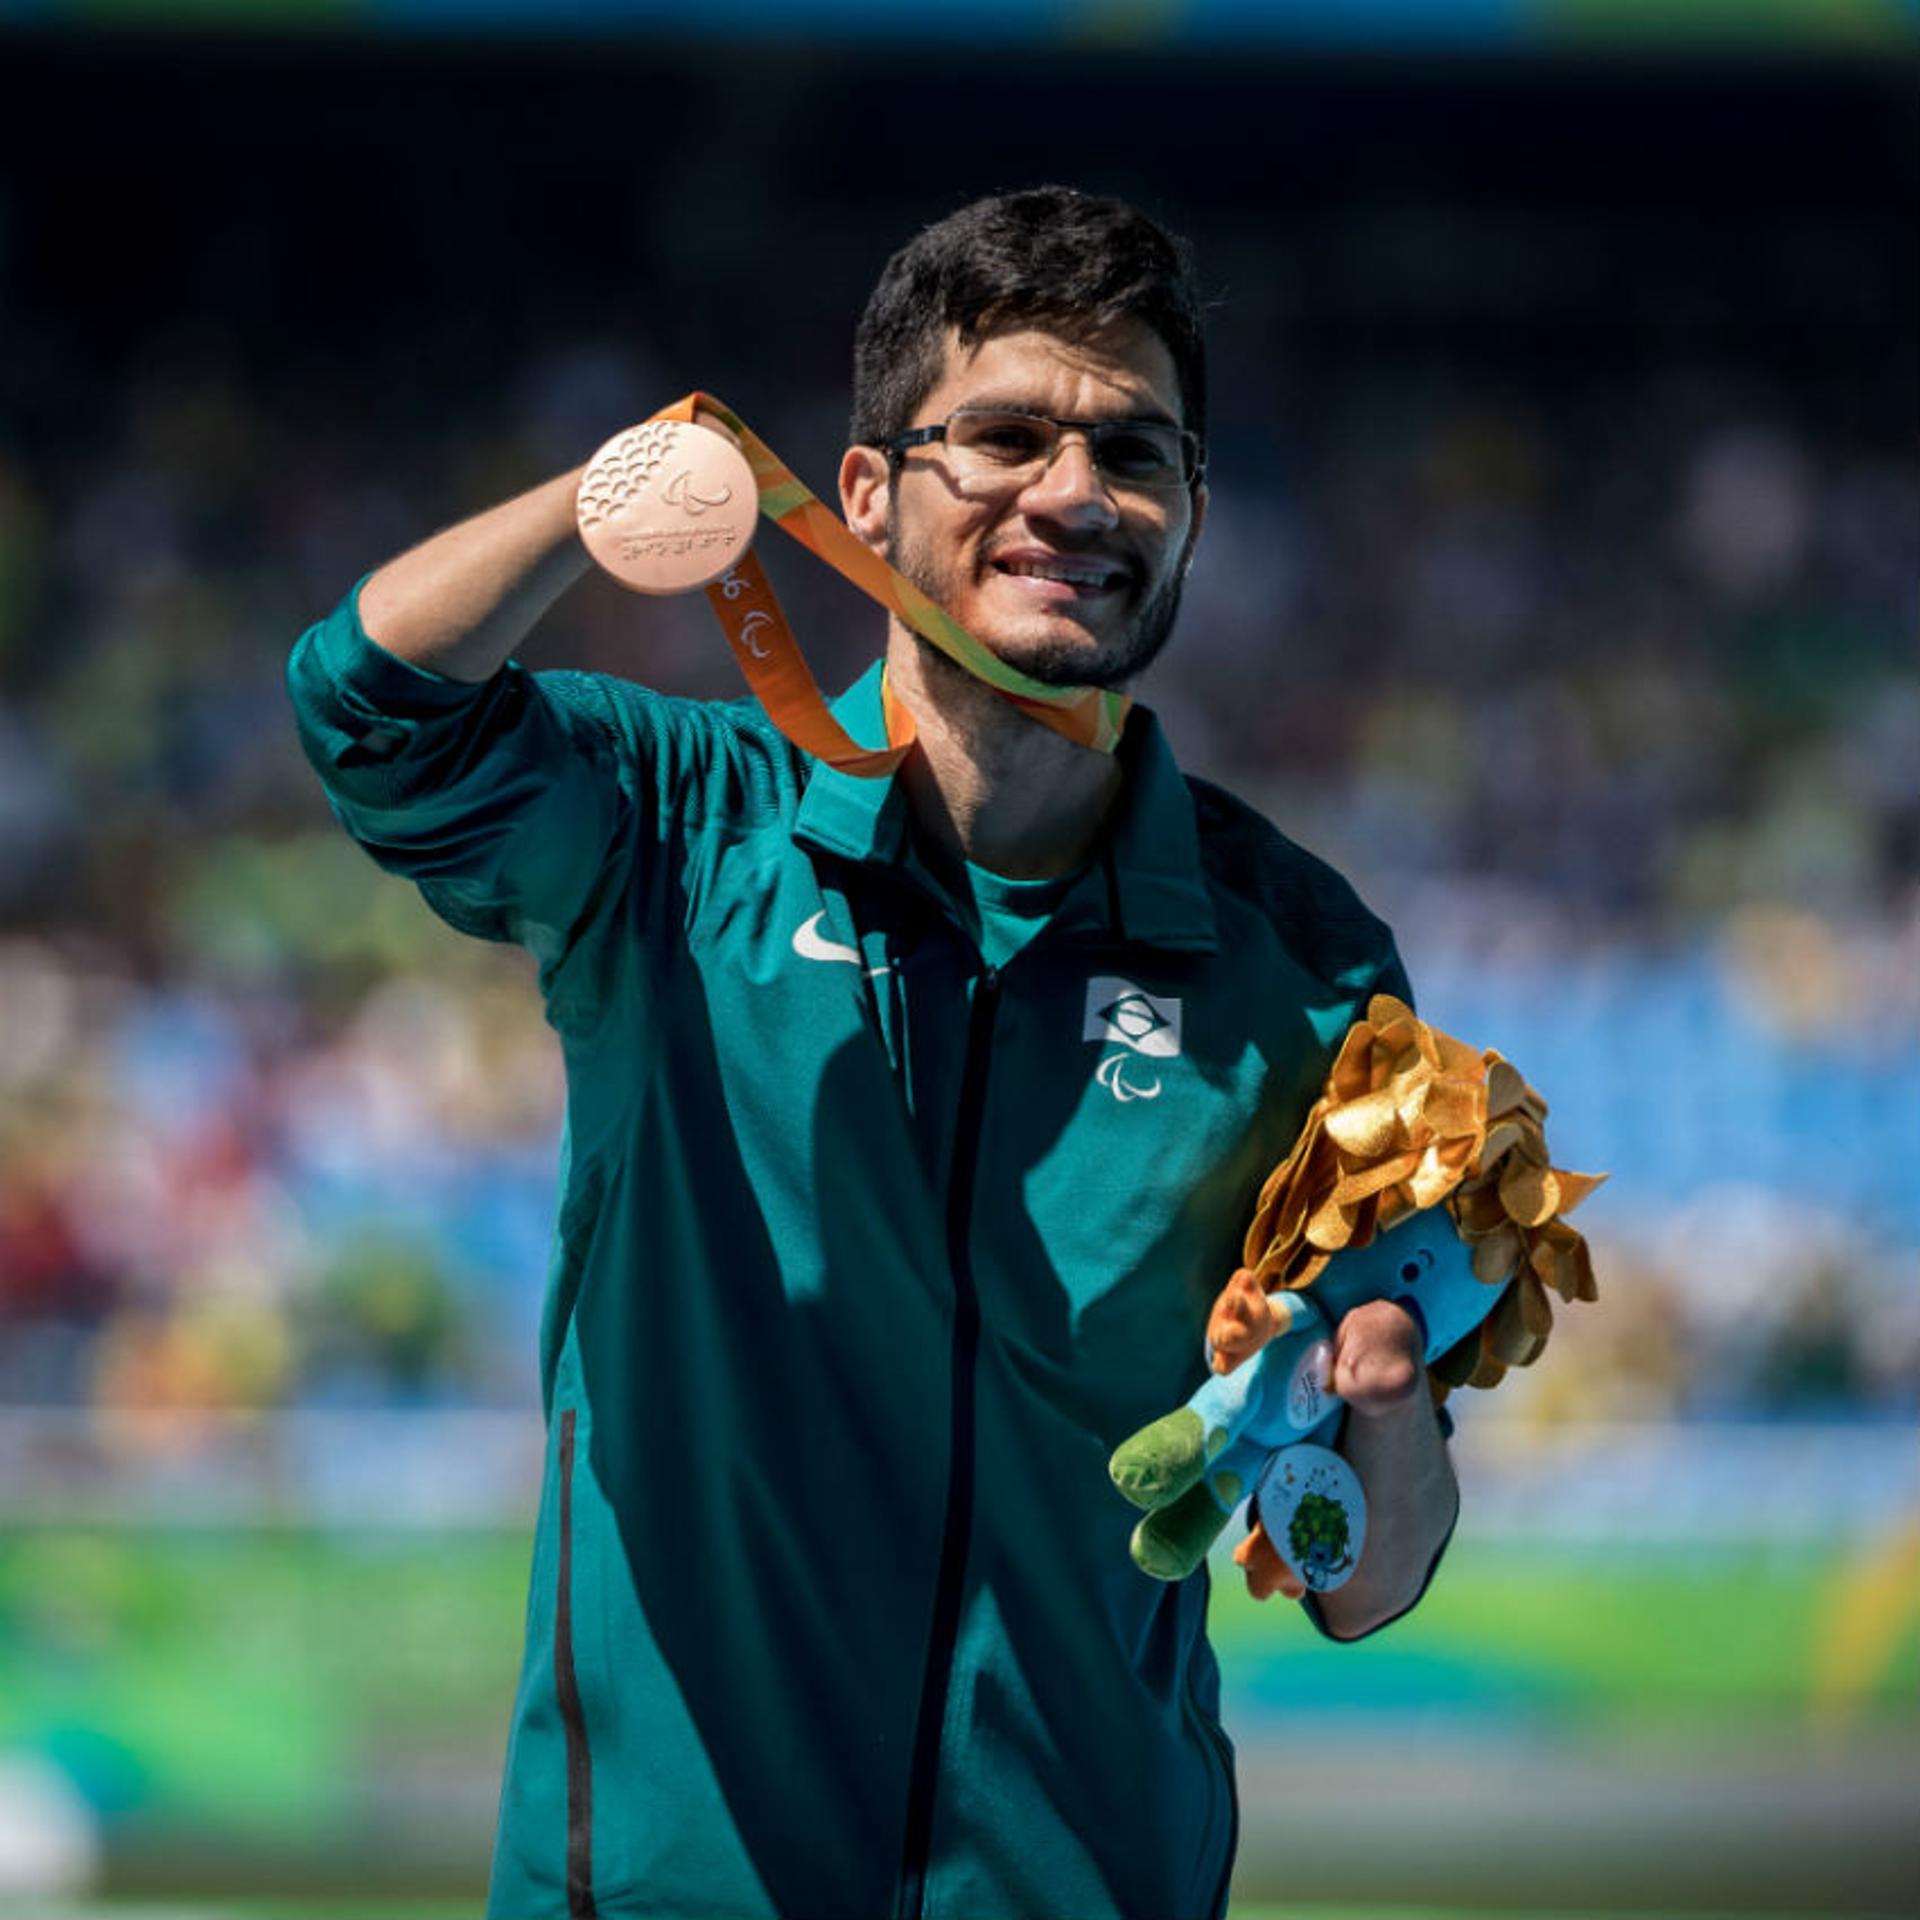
(1424, 1266)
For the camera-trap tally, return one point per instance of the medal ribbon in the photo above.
(762, 640)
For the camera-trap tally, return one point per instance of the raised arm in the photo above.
(460, 603)
(499, 792)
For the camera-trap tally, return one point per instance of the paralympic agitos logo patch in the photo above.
(1123, 1016)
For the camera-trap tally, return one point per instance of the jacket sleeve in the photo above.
(502, 801)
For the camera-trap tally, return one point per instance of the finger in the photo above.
(1267, 1573)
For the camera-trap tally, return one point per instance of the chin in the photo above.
(1048, 649)
(1065, 655)
(1075, 663)
(1060, 651)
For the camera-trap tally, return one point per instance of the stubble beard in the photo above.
(1059, 663)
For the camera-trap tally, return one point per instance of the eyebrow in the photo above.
(992, 403)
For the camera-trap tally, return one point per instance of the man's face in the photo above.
(1071, 579)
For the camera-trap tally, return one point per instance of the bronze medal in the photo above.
(667, 506)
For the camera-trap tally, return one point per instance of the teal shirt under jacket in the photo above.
(868, 1255)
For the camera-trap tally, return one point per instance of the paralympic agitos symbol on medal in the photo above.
(679, 492)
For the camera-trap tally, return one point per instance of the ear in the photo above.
(866, 492)
(1200, 498)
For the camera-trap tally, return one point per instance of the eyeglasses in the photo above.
(994, 449)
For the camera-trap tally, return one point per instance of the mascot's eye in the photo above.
(1411, 1270)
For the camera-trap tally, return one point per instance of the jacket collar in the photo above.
(1145, 883)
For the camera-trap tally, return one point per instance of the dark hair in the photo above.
(1073, 263)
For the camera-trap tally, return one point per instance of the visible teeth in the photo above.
(1065, 571)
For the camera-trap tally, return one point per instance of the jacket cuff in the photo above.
(375, 681)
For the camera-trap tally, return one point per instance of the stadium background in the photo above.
(1561, 585)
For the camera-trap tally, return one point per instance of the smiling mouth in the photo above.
(1078, 576)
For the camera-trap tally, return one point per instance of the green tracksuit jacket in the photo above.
(867, 1256)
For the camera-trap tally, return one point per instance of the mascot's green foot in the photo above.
(1163, 1460)
(1169, 1544)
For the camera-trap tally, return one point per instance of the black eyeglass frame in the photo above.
(1192, 448)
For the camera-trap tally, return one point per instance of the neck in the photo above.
(987, 783)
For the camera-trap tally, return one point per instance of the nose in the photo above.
(1069, 490)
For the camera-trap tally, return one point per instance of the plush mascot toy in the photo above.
(1421, 1176)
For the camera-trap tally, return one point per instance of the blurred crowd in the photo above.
(1605, 695)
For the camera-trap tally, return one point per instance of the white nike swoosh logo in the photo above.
(811, 944)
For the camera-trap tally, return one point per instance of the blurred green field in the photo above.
(239, 1707)
(249, 1680)
(251, 1677)
(1731, 1637)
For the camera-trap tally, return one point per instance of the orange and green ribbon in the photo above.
(762, 640)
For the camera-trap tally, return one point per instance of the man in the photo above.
(912, 1125)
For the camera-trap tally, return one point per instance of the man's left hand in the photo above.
(1379, 1370)
(1379, 1367)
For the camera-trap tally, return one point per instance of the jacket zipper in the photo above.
(924, 1773)
(567, 1687)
